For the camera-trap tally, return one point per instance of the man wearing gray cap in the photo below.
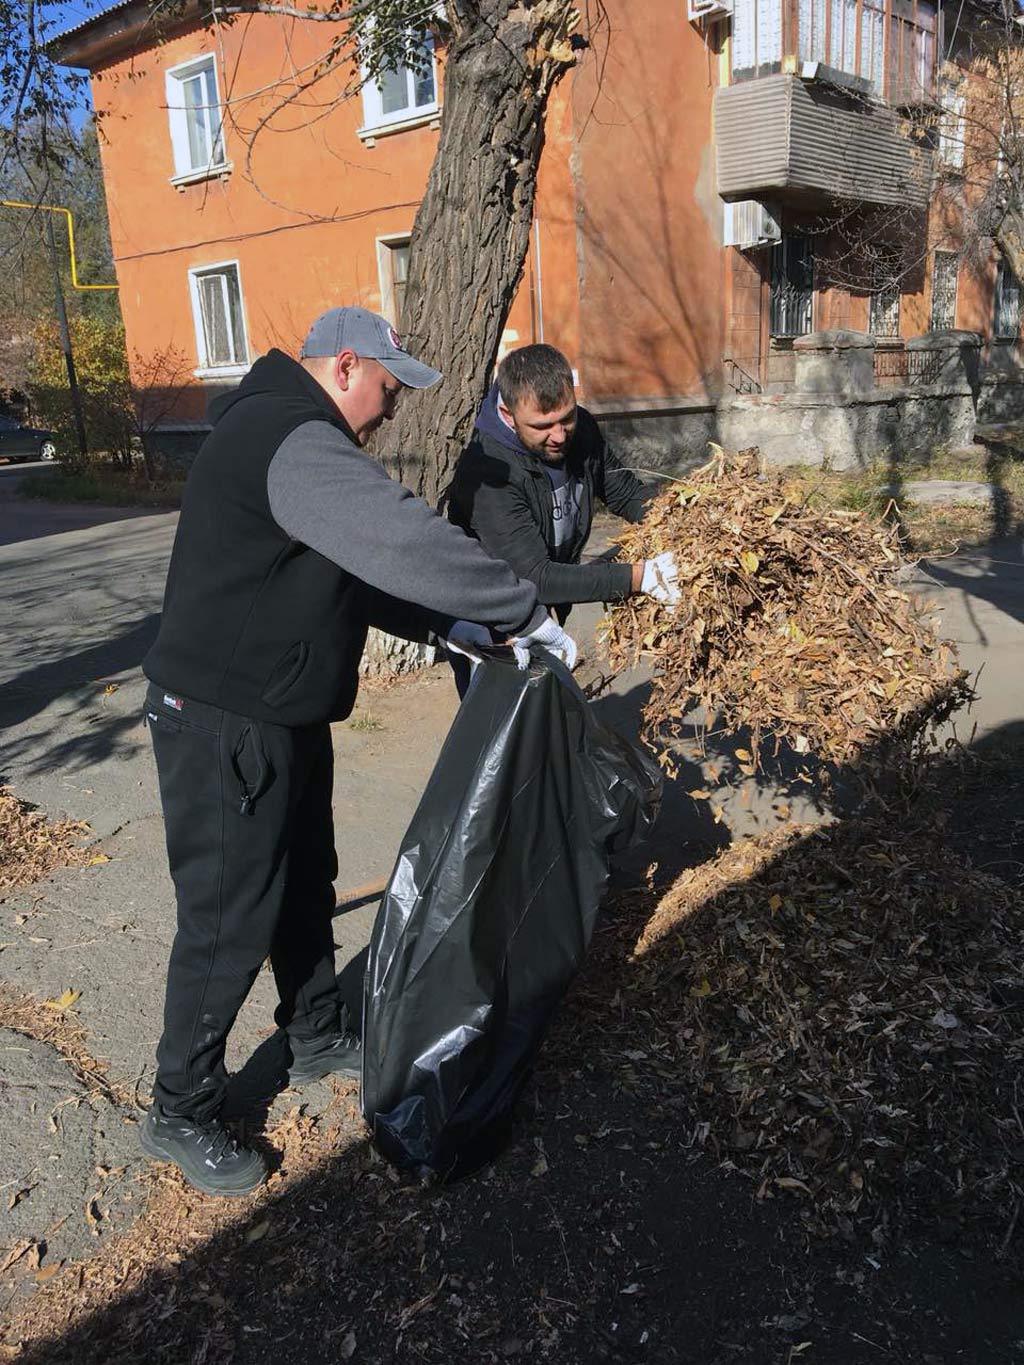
(290, 545)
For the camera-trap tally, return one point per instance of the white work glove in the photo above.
(661, 579)
(550, 636)
(466, 637)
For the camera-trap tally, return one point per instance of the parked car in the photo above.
(19, 442)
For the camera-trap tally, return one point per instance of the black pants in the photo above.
(250, 841)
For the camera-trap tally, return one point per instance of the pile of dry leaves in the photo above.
(31, 847)
(792, 623)
(846, 1004)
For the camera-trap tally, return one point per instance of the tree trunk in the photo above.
(472, 231)
(470, 238)
(1009, 239)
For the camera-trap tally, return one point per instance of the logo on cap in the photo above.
(395, 339)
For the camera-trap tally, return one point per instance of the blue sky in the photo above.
(65, 15)
(70, 12)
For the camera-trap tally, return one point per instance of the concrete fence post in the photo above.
(836, 362)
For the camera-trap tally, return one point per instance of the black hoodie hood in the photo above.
(489, 422)
(279, 375)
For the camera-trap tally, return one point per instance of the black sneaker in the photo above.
(204, 1151)
(341, 1054)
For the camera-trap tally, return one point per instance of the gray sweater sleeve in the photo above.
(326, 493)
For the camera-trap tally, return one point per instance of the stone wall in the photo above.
(663, 439)
(840, 412)
(177, 446)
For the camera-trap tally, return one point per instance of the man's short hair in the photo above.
(538, 370)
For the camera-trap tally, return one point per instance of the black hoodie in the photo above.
(291, 543)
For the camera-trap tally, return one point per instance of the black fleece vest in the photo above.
(253, 621)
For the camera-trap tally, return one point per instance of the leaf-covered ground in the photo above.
(668, 1194)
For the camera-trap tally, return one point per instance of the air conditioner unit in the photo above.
(707, 9)
(750, 223)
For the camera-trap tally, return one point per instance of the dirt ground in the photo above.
(605, 1231)
(608, 1229)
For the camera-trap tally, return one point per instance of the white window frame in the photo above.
(205, 370)
(386, 244)
(409, 116)
(952, 123)
(185, 171)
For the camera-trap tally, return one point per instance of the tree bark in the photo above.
(1009, 238)
(472, 230)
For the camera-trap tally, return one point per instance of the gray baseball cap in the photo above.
(368, 335)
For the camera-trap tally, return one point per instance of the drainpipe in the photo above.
(540, 279)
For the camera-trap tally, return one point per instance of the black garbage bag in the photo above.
(490, 910)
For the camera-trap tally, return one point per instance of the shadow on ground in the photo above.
(993, 572)
(98, 733)
(604, 1232)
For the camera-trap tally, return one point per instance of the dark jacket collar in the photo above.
(278, 375)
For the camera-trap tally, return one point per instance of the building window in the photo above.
(194, 113)
(872, 44)
(952, 112)
(219, 320)
(792, 287)
(912, 30)
(828, 33)
(884, 312)
(894, 52)
(756, 38)
(404, 92)
(393, 269)
(944, 273)
(1007, 312)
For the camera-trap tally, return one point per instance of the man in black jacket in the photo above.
(291, 543)
(526, 485)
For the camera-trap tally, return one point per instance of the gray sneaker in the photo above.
(205, 1152)
(341, 1054)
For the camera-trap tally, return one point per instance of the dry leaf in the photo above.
(63, 1002)
(795, 632)
(789, 1182)
(20, 1248)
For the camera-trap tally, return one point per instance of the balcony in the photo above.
(810, 113)
(807, 143)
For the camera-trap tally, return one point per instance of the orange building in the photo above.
(698, 205)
